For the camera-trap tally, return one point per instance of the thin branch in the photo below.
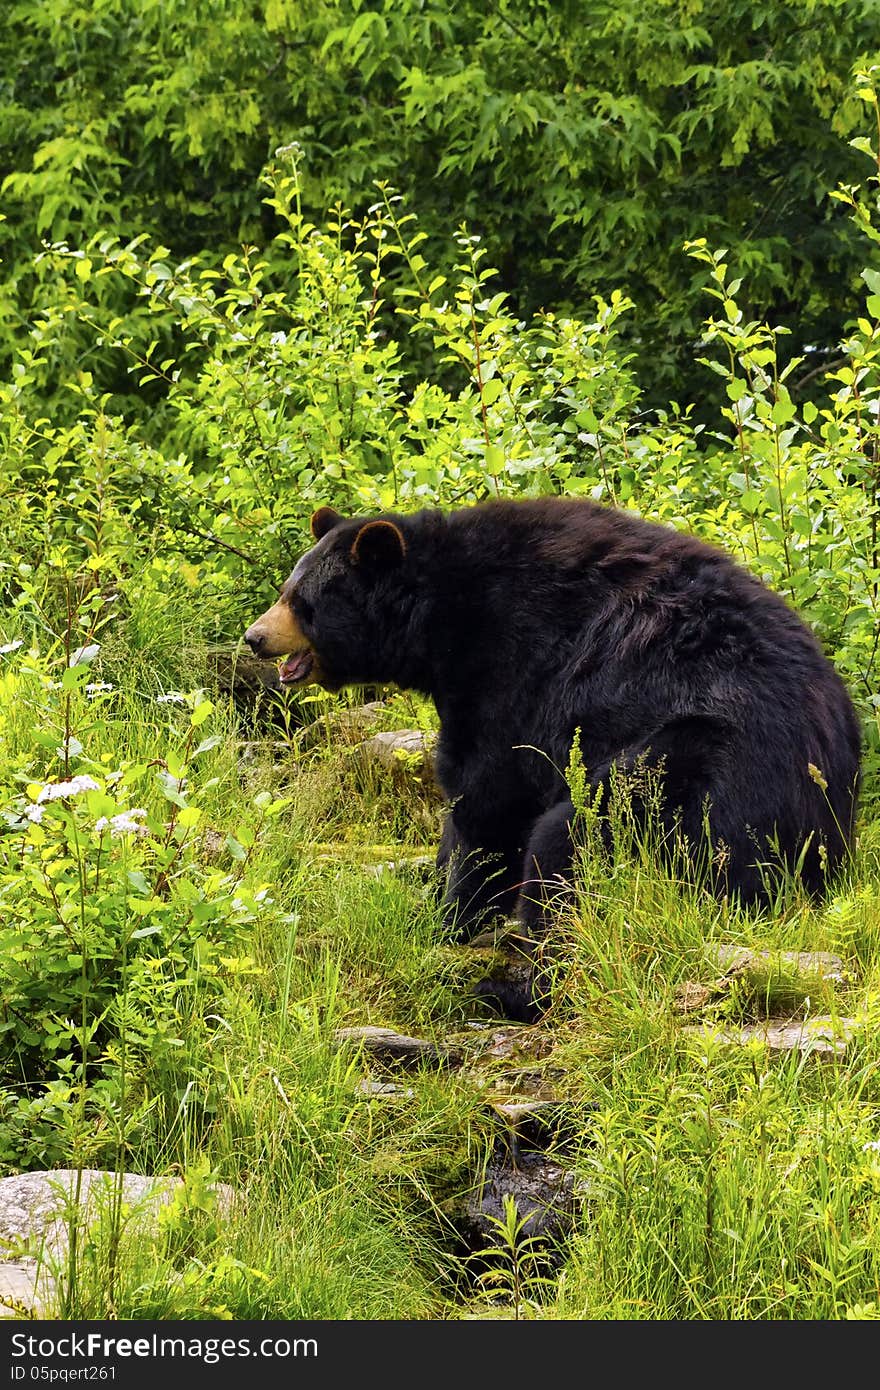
(822, 370)
(209, 536)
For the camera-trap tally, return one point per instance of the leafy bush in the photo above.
(120, 934)
(582, 143)
(280, 400)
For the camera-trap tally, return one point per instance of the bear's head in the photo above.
(335, 616)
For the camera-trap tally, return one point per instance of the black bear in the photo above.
(532, 622)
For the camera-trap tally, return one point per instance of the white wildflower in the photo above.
(97, 688)
(11, 647)
(57, 791)
(872, 1146)
(34, 813)
(123, 823)
(173, 697)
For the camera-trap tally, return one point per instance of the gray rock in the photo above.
(394, 746)
(242, 675)
(23, 1288)
(523, 1042)
(822, 1037)
(776, 980)
(37, 1211)
(388, 1046)
(406, 754)
(523, 1113)
(809, 965)
(340, 726)
(543, 1191)
(367, 1089)
(690, 997)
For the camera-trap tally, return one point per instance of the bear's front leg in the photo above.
(482, 879)
(547, 885)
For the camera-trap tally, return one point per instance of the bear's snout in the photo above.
(255, 638)
(276, 632)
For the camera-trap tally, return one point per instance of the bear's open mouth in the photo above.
(296, 668)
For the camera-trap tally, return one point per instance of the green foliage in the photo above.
(584, 144)
(118, 938)
(276, 400)
(514, 1267)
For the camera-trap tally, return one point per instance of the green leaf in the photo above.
(872, 279)
(170, 788)
(782, 412)
(494, 460)
(751, 501)
(207, 744)
(200, 713)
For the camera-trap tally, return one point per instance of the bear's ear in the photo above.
(323, 520)
(378, 543)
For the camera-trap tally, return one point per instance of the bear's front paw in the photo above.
(513, 995)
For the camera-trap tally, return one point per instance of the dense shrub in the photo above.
(583, 143)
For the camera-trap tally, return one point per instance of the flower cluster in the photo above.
(58, 791)
(124, 823)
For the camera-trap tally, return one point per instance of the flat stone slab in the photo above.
(824, 1037)
(514, 1042)
(517, 1113)
(388, 1046)
(33, 1206)
(393, 746)
(245, 676)
(368, 1089)
(340, 726)
(691, 996)
(783, 978)
(742, 960)
(19, 1295)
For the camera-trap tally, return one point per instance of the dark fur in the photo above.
(526, 621)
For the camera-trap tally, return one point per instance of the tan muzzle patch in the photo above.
(277, 633)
